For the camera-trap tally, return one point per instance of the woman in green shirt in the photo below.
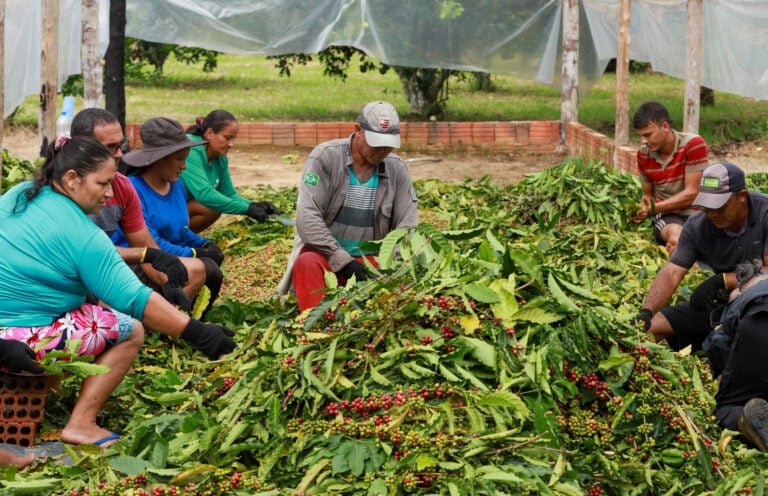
(207, 180)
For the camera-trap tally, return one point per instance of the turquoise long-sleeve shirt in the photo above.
(210, 182)
(52, 255)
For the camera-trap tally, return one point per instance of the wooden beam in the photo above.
(569, 104)
(90, 60)
(621, 130)
(49, 61)
(2, 86)
(693, 66)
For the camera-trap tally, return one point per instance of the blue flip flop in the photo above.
(112, 436)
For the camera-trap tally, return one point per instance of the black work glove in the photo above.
(256, 212)
(644, 316)
(176, 296)
(212, 339)
(17, 356)
(709, 294)
(168, 264)
(268, 207)
(354, 268)
(212, 251)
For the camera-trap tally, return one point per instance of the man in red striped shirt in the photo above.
(670, 165)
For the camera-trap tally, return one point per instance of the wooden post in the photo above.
(49, 60)
(114, 62)
(621, 130)
(90, 60)
(693, 66)
(569, 104)
(2, 86)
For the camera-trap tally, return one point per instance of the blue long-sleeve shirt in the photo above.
(167, 218)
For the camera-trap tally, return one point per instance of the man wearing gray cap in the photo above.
(731, 227)
(352, 190)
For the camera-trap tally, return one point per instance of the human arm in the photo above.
(663, 286)
(684, 199)
(318, 189)
(212, 339)
(646, 202)
(199, 178)
(405, 212)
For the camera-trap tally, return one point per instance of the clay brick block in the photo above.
(403, 133)
(305, 133)
(327, 131)
(505, 132)
(522, 132)
(346, 128)
(418, 133)
(258, 133)
(132, 133)
(482, 132)
(440, 133)
(542, 132)
(461, 132)
(282, 134)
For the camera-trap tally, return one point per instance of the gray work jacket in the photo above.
(322, 189)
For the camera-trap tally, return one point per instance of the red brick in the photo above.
(282, 134)
(305, 133)
(418, 133)
(346, 128)
(505, 132)
(461, 132)
(440, 133)
(541, 132)
(482, 132)
(257, 133)
(327, 131)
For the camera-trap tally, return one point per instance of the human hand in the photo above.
(643, 212)
(168, 264)
(212, 339)
(212, 251)
(707, 295)
(354, 268)
(268, 207)
(256, 212)
(17, 356)
(644, 316)
(176, 296)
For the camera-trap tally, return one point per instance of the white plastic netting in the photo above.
(520, 37)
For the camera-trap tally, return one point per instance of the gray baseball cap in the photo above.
(718, 181)
(381, 124)
(160, 137)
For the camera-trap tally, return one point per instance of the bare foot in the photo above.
(8, 458)
(88, 434)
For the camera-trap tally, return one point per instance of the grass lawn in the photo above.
(251, 88)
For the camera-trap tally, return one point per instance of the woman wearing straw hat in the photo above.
(155, 172)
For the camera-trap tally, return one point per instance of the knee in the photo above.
(195, 271)
(136, 338)
(310, 261)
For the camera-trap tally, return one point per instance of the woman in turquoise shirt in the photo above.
(54, 255)
(207, 180)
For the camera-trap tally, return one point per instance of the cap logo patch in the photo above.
(710, 182)
(311, 179)
(384, 123)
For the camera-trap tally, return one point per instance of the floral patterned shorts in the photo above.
(97, 328)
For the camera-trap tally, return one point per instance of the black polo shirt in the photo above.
(700, 241)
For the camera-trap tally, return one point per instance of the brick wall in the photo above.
(537, 136)
(525, 136)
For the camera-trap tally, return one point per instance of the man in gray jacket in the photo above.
(352, 190)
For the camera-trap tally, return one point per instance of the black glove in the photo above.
(168, 264)
(708, 295)
(354, 268)
(644, 316)
(256, 212)
(212, 339)
(17, 356)
(176, 296)
(212, 251)
(268, 207)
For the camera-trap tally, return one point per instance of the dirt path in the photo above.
(281, 166)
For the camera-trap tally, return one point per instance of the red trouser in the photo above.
(309, 277)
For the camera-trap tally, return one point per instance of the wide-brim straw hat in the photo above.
(160, 137)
